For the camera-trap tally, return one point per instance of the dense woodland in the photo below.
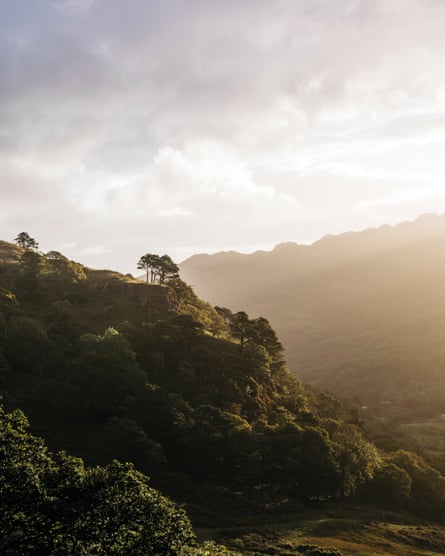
(199, 398)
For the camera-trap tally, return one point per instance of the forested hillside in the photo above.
(361, 314)
(112, 367)
(199, 398)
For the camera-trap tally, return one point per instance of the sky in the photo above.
(189, 126)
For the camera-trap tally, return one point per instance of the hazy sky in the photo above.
(184, 126)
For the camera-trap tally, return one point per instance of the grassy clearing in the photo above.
(341, 535)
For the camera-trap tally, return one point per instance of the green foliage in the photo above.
(199, 310)
(256, 332)
(60, 276)
(427, 493)
(219, 446)
(358, 459)
(28, 348)
(127, 441)
(153, 375)
(301, 461)
(240, 327)
(28, 282)
(105, 371)
(51, 277)
(62, 322)
(8, 304)
(390, 485)
(54, 505)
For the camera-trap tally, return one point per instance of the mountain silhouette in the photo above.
(361, 314)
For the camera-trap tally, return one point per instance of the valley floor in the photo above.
(350, 532)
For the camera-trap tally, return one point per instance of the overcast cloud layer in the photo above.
(186, 126)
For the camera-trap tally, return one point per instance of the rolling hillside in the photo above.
(362, 314)
(107, 367)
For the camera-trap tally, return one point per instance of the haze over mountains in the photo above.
(361, 314)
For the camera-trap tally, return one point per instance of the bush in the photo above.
(53, 504)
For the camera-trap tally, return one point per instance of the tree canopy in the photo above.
(26, 241)
(158, 268)
(54, 504)
(114, 368)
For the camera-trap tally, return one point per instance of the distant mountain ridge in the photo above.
(361, 313)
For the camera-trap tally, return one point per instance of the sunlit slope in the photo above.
(360, 313)
(198, 398)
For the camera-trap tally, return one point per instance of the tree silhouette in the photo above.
(167, 269)
(26, 241)
(148, 262)
(240, 327)
(158, 268)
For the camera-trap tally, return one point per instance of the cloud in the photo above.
(192, 125)
(94, 250)
(73, 7)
